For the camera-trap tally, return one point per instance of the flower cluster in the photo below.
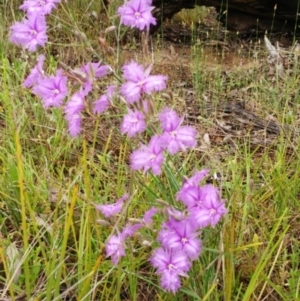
(53, 89)
(178, 236)
(115, 246)
(174, 138)
(31, 31)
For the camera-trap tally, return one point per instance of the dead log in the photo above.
(244, 16)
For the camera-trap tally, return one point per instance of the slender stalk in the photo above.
(23, 212)
(68, 222)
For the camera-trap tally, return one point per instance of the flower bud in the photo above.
(102, 222)
(162, 202)
(110, 29)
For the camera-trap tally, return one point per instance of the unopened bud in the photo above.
(103, 222)
(94, 14)
(80, 36)
(121, 98)
(162, 202)
(79, 74)
(110, 29)
(103, 44)
(146, 243)
(135, 220)
(75, 74)
(178, 215)
(168, 96)
(111, 51)
(151, 109)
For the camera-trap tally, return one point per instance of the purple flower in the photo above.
(129, 229)
(170, 281)
(210, 209)
(41, 7)
(175, 136)
(52, 89)
(87, 87)
(112, 209)
(75, 105)
(139, 81)
(115, 247)
(170, 265)
(72, 110)
(30, 32)
(133, 123)
(190, 196)
(148, 156)
(181, 235)
(137, 13)
(74, 125)
(190, 191)
(94, 71)
(103, 103)
(147, 219)
(164, 260)
(196, 178)
(36, 73)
